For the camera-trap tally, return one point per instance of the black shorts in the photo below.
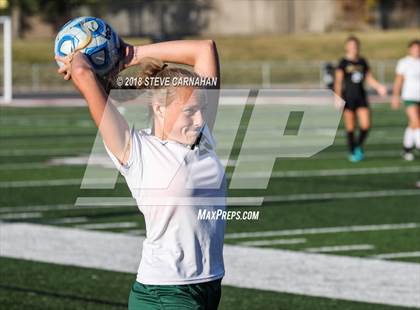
(354, 103)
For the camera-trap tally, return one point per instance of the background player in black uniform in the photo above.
(328, 75)
(351, 73)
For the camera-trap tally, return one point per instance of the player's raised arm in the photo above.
(200, 54)
(111, 124)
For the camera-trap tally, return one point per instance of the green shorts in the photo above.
(408, 103)
(200, 296)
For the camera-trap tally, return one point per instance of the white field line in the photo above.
(44, 149)
(47, 142)
(333, 155)
(333, 172)
(122, 202)
(198, 201)
(257, 201)
(273, 242)
(275, 174)
(341, 248)
(38, 123)
(108, 225)
(30, 152)
(344, 172)
(248, 158)
(266, 148)
(397, 255)
(69, 220)
(321, 275)
(323, 230)
(257, 145)
(20, 216)
(48, 182)
(110, 203)
(57, 207)
(135, 232)
(343, 195)
(221, 134)
(252, 158)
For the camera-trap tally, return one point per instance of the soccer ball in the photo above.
(93, 37)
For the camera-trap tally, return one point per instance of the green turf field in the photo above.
(372, 206)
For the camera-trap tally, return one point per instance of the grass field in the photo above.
(302, 201)
(325, 46)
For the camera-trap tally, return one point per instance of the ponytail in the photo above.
(151, 67)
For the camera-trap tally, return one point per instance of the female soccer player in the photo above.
(408, 79)
(352, 71)
(167, 168)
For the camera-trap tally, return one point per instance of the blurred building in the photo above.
(221, 17)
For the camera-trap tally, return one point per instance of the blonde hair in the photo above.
(165, 94)
(153, 67)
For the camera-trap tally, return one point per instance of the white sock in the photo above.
(417, 137)
(409, 139)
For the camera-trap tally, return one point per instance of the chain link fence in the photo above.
(35, 78)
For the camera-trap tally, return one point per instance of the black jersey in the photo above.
(354, 77)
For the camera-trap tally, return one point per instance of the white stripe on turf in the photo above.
(57, 207)
(118, 202)
(333, 172)
(18, 216)
(322, 230)
(69, 220)
(275, 174)
(249, 158)
(340, 155)
(343, 195)
(41, 183)
(108, 225)
(265, 146)
(341, 248)
(135, 232)
(397, 255)
(199, 201)
(273, 242)
(39, 152)
(321, 275)
(344, 172)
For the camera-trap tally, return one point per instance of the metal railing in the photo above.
(32, 78)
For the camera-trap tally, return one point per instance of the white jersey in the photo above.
(409, 68)
(171, 183)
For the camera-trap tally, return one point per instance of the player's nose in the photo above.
(198, 119)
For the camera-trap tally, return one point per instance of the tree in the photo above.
(53, 12)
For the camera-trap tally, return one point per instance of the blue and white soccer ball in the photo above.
(102, 44)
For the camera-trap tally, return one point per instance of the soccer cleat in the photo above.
(354, 158)
(409, 156)
(360, 154)
(357, 155)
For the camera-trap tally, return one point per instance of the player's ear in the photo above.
(158, 109)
